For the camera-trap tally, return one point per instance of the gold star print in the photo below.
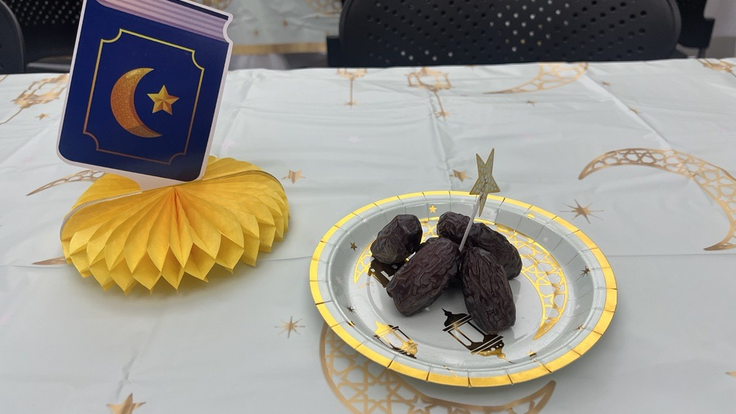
(532, 103)
(353, 246)
(460, 175)
(351, 309)
(294, 175)
(290, 326)
(583, 211)
(585, 272)
(432, 209)
(126, 407)
(42, 116)
(162, 101)
(485, 183)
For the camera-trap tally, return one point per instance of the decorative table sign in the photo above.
(145, 88)
(146, 84)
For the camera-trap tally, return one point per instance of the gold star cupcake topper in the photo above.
(127, 407)
(484, 185)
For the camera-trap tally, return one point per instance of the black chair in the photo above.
(382, 33)
(12, 54)
(50, 31)
(696, 29)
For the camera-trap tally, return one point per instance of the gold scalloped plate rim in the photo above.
(600, 326)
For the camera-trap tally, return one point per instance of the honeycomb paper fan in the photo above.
(123, 236)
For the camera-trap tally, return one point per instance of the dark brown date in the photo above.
(452, 225)
(398, 239)
(424, 277)
(498, 245)
(487, 293)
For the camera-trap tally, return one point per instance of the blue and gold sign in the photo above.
(145, 87)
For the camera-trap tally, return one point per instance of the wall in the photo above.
(723, 43)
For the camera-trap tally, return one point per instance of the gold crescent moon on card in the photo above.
(714, 180)
(366, 387)
(122, 103)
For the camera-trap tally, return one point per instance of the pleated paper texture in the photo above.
(122, 236)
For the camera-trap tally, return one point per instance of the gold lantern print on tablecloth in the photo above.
(433, 81)
(352, 75)
(461, 327)
(394, 338)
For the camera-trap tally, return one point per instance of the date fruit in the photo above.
(486, 289)
(423, 278)
(498, 245)
(452, 225)
(398, 239)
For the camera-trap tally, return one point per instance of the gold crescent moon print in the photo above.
(550, 76)
(718, 183)
(365, 387)
(122, 103)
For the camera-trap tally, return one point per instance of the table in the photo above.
(280, 26)
(338, 140)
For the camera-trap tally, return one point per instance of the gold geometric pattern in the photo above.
(366, 387)
(550, 76)
(326, 8)
(40, 92)
(719, 65)
(714, 180)
(352, 75)
(543, 271)
(84, 175)
(433, 81)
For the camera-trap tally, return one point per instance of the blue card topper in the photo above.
(145, 88)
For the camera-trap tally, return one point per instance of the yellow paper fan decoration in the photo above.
(123, 236)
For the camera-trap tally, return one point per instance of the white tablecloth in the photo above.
(67, 346)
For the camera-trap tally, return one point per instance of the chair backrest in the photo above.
(49, 27)
(696, 29)
(442, 32)
(11, 42)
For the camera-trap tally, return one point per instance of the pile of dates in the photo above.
(483, 269)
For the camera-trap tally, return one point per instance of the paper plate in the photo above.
(565, 297)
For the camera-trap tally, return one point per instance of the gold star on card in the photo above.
(162, 101)
(353, 246)
(432, 209)
(485, 183)
(126, 407)
(585, 272)
(293, 176)
(460, 175)
(289, 327)
(351, 309)
(583, 211)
